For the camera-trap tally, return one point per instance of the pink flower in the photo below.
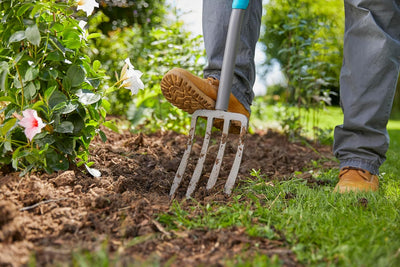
(32, 123)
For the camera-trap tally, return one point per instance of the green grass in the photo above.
(265, 116)
(322, 228)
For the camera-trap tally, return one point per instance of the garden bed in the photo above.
(54, 217)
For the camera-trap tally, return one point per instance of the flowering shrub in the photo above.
(52, 97)
(166, 46)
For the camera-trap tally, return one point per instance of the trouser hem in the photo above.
(360, 163)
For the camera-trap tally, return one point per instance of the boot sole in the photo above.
(184, 94)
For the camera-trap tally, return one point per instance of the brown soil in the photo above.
(54, 216)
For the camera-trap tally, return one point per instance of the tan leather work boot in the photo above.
(190, 93)
(356, 180)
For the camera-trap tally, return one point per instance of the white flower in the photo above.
(94, 172)
(87, 6)
(82, 25)
(131, 78)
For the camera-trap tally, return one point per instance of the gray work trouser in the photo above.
(371, 61)
(216, 14)
(368, 77)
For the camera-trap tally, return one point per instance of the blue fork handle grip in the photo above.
(240, 4)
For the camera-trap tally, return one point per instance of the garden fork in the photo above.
(232, 42)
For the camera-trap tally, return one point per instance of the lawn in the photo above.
(281, 213)
(322, 228)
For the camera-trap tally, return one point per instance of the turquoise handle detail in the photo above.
(240, 4)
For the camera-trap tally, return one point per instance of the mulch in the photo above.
(53, 216)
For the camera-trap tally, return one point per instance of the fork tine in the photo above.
(218, 160)
(199, 166)
(182, 166)
(238, 158)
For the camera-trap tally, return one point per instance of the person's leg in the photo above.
(367, 83)
(189, 92)
(216, 14)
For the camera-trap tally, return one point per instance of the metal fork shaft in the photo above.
(228, 63)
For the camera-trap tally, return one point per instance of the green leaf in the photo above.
(94, 114)
(7, 98)
(56, 162)
(103, 112)
(69, 107)
(61, 5)
(17, 37)
(35, 9)
(57, 44)
(57, 26)
(33, 35)
(17, 82)
(26, 170)
(21, 11)
(103, 136)
(94, 35)
(3, 66)
(78, 122)
(76, 74)
(87, 97)
(16, 155)
(67, 84)
(55, 56)
(106, 104)
(18, 57)
(40, 106)
(110, 125)
(49, 91)
(53, 73)
(30, 74)
(65, 127)
(96, 65)
(7, 147)
(8, 125)
(72, 39)
(95, 82)
(66, 145)
(42, 139)
(3, 77)
(56, 98)
(59, 107)
(29, 90)
(10, 109)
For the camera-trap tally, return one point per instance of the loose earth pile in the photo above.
(54, 216)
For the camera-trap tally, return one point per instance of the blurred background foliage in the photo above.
(127, 13)
(306, 39)
(303, 37)
(155, 43)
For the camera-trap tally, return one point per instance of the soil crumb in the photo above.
(51, 217)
